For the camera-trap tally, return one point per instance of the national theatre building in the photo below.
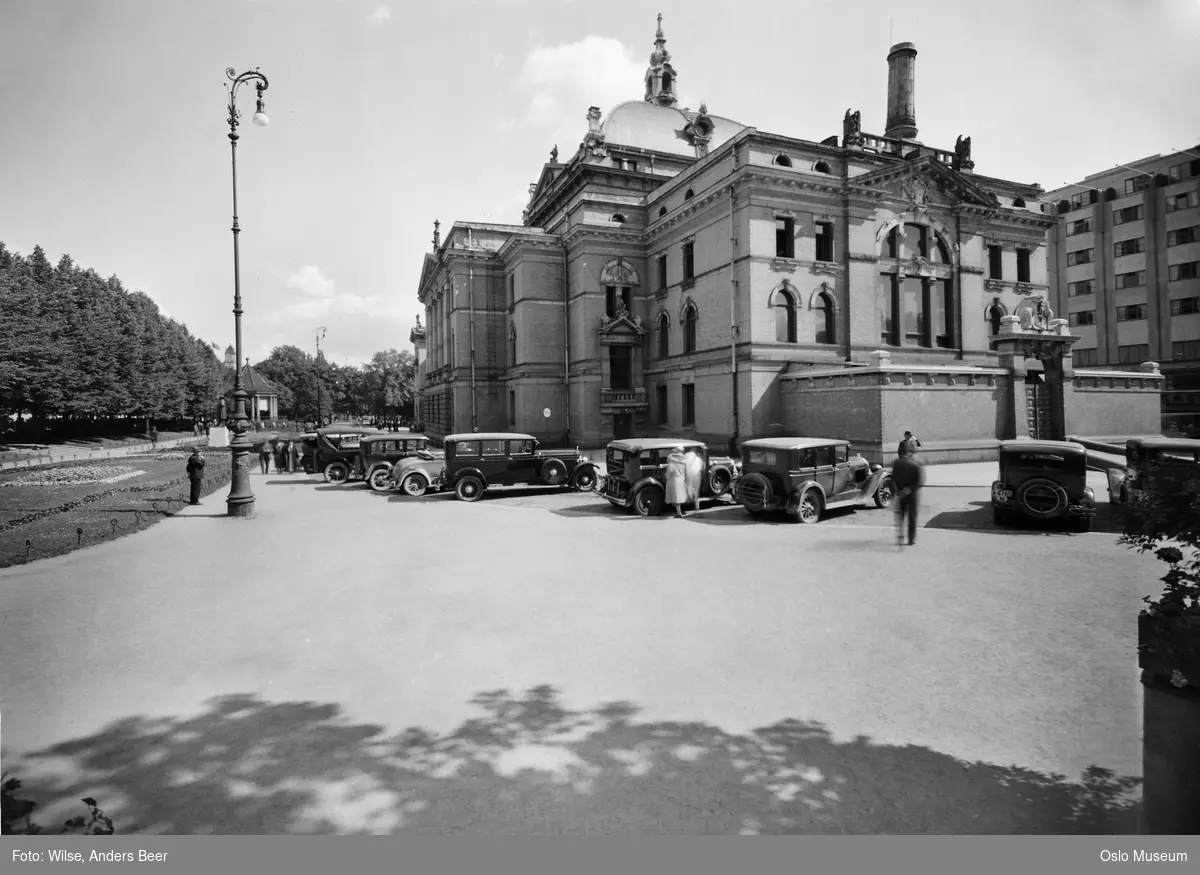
(681, 274)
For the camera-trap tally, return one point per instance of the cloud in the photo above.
(560, 83)
(381, 14)
(311, 281)
(498, 59)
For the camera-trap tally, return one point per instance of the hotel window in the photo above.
(995, 262)
(1128, 214)
(689, 263)
(823, 317)
(1131, 280)
(1083, 287)
(785, 317)
(825, 241)
(785, 237)
(1085, 358)
(1083, 226)
(1128, 247)
(1135, 184)
(1180, 236)
(620, 361)
(616, 299)
(1186, 271)
(660, 397)
(1133, 354)
(1187, 350)
(689, 328)
(664, 336)
(662, 272)
(1079, 256)
(1131, 313)
(689, 405)
(1185, 306)
(1183, 201)
(1022, 265)
(1083, 317)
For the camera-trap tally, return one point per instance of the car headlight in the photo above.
(876, 467)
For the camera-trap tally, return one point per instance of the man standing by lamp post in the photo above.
(240, 502)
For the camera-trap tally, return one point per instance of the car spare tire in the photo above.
(754, 492)
(1042, 498)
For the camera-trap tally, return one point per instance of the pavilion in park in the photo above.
(262, 402)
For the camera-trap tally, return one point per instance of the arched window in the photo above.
(512, 346)
(689, 328)
(823, 318)
(821, 167)
(783, 160)
(662, 211)
(994, 314)
(666, 82)
(785, 317)
(618, 219)
(916, 308)
(663, 331)
(688, 195)
(1018, 202)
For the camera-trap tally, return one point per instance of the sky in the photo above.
(387, 116)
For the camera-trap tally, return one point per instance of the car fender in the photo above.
(793, 502)
(473, 472)
(873, 482)
(386, 466)
(643, 483)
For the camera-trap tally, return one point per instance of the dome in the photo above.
(660, 128)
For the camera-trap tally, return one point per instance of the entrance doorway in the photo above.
(1038, 406)
(622, 426)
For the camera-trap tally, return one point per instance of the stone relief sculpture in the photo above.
(1035, 314)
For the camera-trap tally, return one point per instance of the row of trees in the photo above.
(77, 350)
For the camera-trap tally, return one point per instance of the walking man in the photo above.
(910, 443)
(195, 469)
(909, 476)
(154, 438)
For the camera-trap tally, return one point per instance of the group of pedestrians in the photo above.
(285, 454)
(684, 471)
(908, 475)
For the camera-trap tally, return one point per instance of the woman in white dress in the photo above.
(695, 469)
(677, 480)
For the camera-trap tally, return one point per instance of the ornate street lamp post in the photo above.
(240, 502)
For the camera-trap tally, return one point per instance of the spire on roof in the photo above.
(660, 78)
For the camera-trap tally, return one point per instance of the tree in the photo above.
(389, 382)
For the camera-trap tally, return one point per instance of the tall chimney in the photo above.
(901, 106)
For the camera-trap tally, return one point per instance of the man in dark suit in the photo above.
(910, 443)
(195, 469)
(909, 476)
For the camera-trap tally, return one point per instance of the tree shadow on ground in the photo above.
(528, 765)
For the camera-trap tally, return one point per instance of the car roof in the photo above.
(350, 429)
(794, 443)
(1023, 446)
(489, 436)
(402, 436)
(1166, 443)
(654, 443)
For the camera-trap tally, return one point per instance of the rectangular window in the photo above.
(1186, 350)
(662, 273)
(610, 301)
(1077, 200)
(785, 237)
(1185, 306)
(1135, 184)
(1128, 247)
(766, 458)
(1183, 201)
(689, 404)
(631, 165)
(1083, 317)
(943, 313)
(660, 397)
(1085, 358)
(621, 362)
(1133, 354)
(689, 262)
(512, 290)
(1186, 170)
(1083, 287)
(1022, 265)
(1079, 256)
(1128, 214)
(512, 407)
(495, 448)
(1083, 226)
(886, 290)
(824, 241)
(995, 263)
(1131, 313)
(1189, 270)
(913, 302)
(467, 450)
(1131, 280)
(1180, 236)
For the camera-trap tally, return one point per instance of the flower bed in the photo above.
(74, 475)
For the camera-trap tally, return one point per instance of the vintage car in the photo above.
(806, 476)
(416, 475)
(635, 473)
(1045, 481)
(378, 452)
(477, 462)
(335, 450)
(1140, 453)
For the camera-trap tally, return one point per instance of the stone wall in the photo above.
(1114, 402)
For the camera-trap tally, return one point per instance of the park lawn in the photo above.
(133, 502)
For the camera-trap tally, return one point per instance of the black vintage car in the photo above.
(477, 462)
(1044, 481)
(335, 450)
(635, 472)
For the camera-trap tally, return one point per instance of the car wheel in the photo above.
(649, 502)
(414, 485)
(885, 494)
(718, 481)
(809, 510)
(337, 472)
(584, 479)
(1042, 498)
(469, 488)
(380, 480)
(554, 472)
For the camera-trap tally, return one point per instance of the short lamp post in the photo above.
(240, 502)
